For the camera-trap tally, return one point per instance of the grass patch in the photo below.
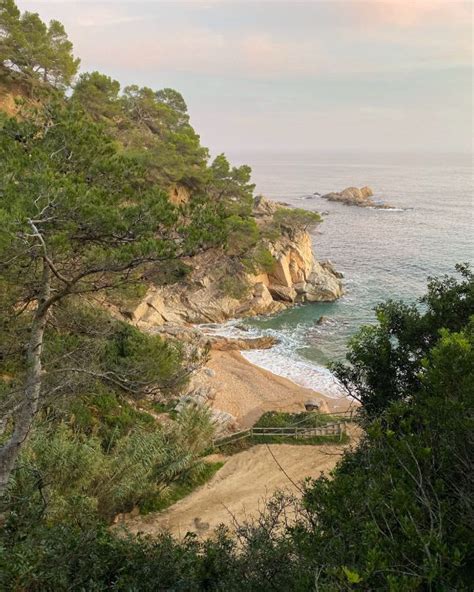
(180, 489)
(246, 443)
(306, 419)
(313, 441)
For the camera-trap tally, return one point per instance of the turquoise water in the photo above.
(382, 253)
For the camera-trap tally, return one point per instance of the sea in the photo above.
(383, 253)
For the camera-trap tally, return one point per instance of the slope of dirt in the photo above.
(239, 489)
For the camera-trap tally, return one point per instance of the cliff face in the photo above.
(205, 295)
(298, 276)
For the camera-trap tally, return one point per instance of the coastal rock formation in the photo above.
(203, 341)
(229, 344)
(353, 196)
(218, 289)
(179, 194)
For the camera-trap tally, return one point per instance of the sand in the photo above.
(238, 491)
(247, 391)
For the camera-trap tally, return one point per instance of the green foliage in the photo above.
(92, 210)
(71, 473)
(386, 360)
(396, 513)
(281, 419)
(293, 219)
(259, 260)
(181, 488)
(234, 286)
(242, 234)
(105, 415)
(245, 444)
(98, 94)
(231, 186)
(145, 360)
(94, 349)
(170, 273)
(151, 128)
(33, 51)
(406, 487)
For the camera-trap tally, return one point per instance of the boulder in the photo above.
(366, 192)
(283, 293)
(227, 344)
(281, 274)
(328, 266)
(261, 303)
(179, 194)
(263, 206)
(322, 286)
(352, 194)
(300, 288)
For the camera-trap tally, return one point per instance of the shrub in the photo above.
(234, 286)
(280, 419)
(292, 219)
(243, 234)
(260, 259)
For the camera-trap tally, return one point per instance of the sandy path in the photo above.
(240, 488)
(247, 391)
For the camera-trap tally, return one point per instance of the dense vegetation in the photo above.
(85, 178)
(396, 513)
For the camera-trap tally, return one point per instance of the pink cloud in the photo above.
(411, 13)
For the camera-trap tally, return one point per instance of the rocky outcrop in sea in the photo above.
(353, 196)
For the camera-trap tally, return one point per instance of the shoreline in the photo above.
(246, 390)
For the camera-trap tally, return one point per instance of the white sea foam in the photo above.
(282, 359)
(290, 365)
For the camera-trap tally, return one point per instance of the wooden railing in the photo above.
(331, 429)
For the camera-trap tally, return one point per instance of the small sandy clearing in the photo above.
(240, 488)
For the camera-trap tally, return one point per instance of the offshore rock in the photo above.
(353, 196)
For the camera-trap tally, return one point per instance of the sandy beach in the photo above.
(247, 391)
(238, 491)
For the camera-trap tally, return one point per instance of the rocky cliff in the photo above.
(218, 288)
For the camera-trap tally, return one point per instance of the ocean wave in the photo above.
(389, 209)
(282, 359)
(290, 365)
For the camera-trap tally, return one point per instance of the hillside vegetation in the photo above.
(91, 201)
(87, 180)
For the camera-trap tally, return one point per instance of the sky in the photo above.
(290, 76)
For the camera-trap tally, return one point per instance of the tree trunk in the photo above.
(28, 408)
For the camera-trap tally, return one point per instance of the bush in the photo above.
(243, 234)
(186, 484)
(234, 286)
(260, 259)
(306, 419)
(292, 219)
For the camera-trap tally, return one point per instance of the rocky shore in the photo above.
(236, 391)
(217, 289)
